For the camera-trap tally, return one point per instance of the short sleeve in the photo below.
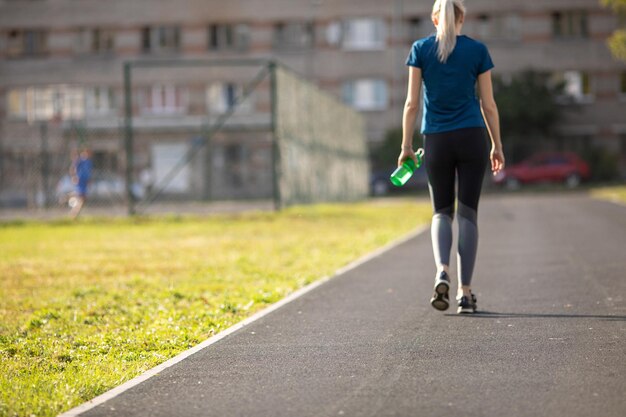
(413, 59)
(485, 62)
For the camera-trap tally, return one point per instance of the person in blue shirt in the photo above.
(81, 171)
(457, 127)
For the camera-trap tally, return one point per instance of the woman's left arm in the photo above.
(490, 114)
(411, 109)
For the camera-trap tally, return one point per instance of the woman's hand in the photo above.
(497, 160)
(407, 153)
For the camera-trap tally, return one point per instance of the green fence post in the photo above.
(275, 145)
(45, 164)
(128, 137)
(208, 163)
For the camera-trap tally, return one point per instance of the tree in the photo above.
(617, 42)
(529, 108)
(385, 153)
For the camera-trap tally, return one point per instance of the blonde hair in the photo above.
(448, 12)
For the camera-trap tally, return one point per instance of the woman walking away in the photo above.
(456, 126)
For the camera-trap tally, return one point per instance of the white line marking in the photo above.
(214, 339)
(615, 201)
(608, 199)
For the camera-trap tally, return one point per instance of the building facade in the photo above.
(62, 59)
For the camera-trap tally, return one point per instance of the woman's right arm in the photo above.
(409, 115)
(490, 113)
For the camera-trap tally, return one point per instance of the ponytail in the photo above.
(448, 13)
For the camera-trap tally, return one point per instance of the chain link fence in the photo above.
(37, 166)
(189, 132)
(321, 142)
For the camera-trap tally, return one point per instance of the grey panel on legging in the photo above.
(468, 243)
(441, 233)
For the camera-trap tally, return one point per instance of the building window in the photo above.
(95, 41)
(164, 99)
(222, 97)
(366, 94)
(228, 37)
(160, 39)
(293, 36)
(27, 43)
(16, 104)
(104, 161)
(99, 101)
(570, 24)
(483, 26)
(73, 104)
(419, 28)
(235, 160)
(499, 27)
(576, 86)
(509, 27)
(47, 103)
(333, 33)
(364, 34)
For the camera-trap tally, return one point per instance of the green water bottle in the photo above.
(401, 175)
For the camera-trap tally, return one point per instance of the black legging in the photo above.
(461, 153)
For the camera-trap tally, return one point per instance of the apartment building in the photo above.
(62, 59)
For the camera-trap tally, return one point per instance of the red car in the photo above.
(565, 167)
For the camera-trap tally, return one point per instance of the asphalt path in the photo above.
(549, 338)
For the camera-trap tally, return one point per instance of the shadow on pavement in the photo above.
(496, 315)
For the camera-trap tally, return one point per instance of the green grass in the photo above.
(613, 193)
(86, 306)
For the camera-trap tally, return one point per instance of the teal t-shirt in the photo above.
(450, 101)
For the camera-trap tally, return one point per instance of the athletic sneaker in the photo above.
(440, 298)
(467, 305)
